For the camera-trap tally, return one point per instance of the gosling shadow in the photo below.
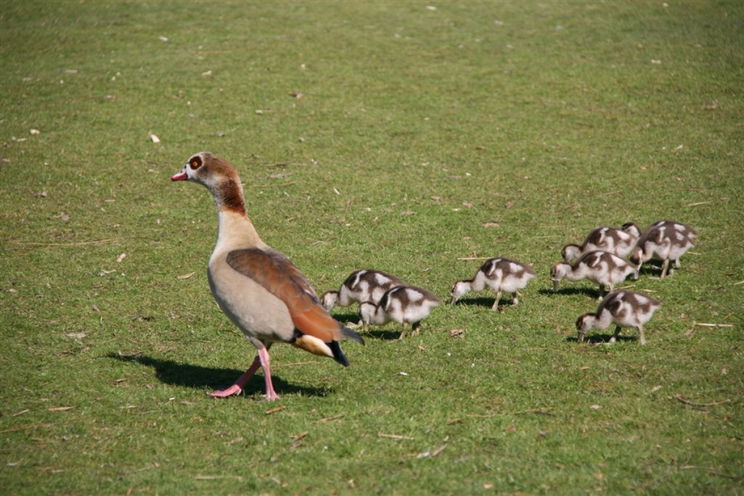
(653, 268)
(601, 338)
(569, 290)
(198, 377)
(351, 319)
(346, 317)
(485, 301)
(384, 334)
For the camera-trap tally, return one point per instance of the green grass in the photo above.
(500, 128)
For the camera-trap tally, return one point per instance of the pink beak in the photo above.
(181, 176)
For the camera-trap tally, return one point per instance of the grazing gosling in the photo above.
(361, 285)
(407, 305)
(600, 267)
(501, 275)
(617, 241)
(625, 309)
(666, 240)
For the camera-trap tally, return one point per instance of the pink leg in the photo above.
(263, 355)
(237, 388)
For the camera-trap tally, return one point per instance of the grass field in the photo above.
(400, 135)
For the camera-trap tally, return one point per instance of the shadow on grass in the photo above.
(653, 268)
(593, 292)
(383, 334)
(198, 377)
(347, 317)
(353, 318)
(485, 301)
(601, 338)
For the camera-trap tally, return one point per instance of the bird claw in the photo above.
(233, 390)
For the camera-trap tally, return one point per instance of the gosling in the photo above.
(407, 305)
(625, 309)
(617, 241)
(361, 285)
(666, 240)
(600, 267)
(500, 274)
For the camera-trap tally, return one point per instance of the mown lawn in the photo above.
(411, 137)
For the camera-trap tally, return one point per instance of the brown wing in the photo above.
(593, 259)
(612, 305)
(280, 277)
(594, 237)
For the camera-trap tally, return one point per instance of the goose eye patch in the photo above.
(196, 162)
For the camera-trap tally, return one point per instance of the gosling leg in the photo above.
(642, 338)
(495, 306)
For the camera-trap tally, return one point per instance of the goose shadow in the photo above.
(581, 290)
(198, 377)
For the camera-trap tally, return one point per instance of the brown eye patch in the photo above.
(196, 162)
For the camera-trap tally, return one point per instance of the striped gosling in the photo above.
(361, 285)
(407, 305)
(625, 309)
(666, 240)
(619, 242)
(601, 267)
(501, 275)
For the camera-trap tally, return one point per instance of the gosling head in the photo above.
(558, 272)
(459, 289)
(583, 324)
(329, 299)
(637, 257)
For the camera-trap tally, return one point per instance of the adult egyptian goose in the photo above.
(256, 286)
(617, 241)
(625, 309)
(361, 285)
(666, 240)
(601, 267)
(407, 305)
(501, 275)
